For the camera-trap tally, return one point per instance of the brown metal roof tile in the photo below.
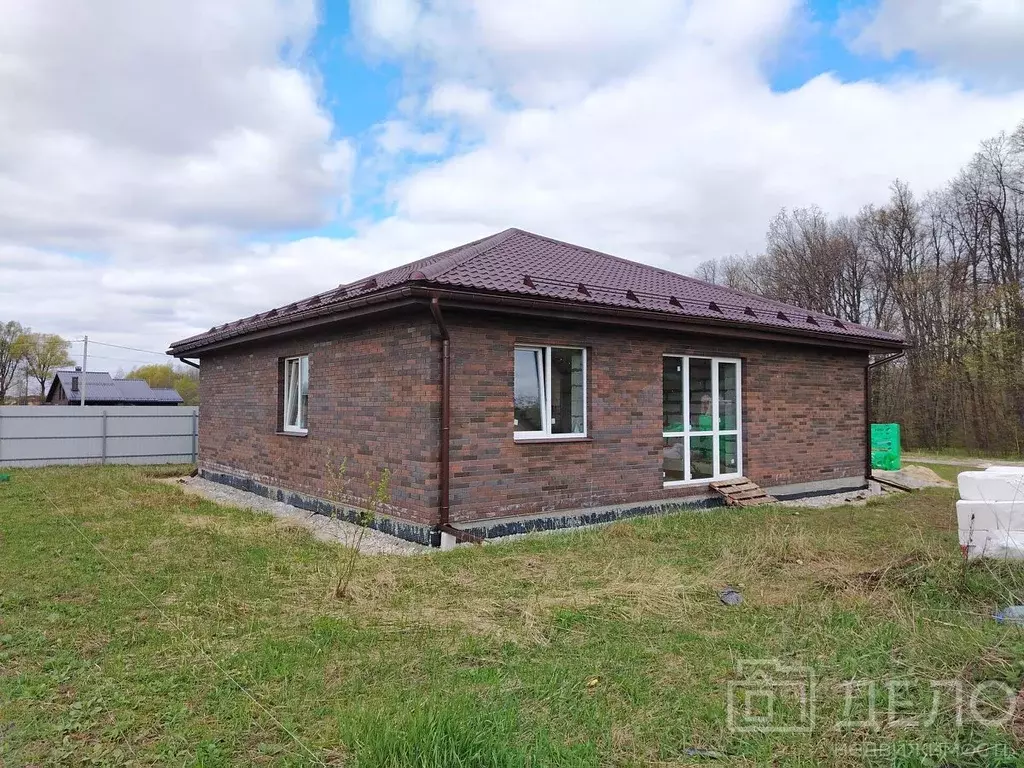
(517, 262)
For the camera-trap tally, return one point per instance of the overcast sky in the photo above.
(170, 165)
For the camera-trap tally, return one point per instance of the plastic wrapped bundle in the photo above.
(991, 486)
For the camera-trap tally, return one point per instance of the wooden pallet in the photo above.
(892, 484)
(742, 493)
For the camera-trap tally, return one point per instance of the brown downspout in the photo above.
(444, 471)
(446, 413)
(867, 420)
(867, 406)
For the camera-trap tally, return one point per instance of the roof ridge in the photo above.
(728, 289)
(78, 372)
(449, 258)
(413, 266)
(631, 262)
(460, 255)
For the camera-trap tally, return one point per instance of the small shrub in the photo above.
(336, 484)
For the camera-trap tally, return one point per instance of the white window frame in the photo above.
(293, 369)
(545, 395)
(716, 432)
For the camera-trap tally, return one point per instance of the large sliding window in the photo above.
(550, 394)
(701, 419)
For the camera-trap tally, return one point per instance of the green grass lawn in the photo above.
(963, 453)
(140, 626)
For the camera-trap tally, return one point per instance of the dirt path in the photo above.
(976, 463)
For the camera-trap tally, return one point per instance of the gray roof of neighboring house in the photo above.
(168, 392)
(100, 387)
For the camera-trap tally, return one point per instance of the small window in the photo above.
(701, 419)
(550, 393)
(296, 393)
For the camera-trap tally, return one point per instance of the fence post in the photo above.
(195, 435)
(103, 434)
(1, 435)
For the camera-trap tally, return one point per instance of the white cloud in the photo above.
(687, 153)
(139, 170)
(979, 38)
(120, 117)
(139, 142)
(389, 26)
(465, 102)
(539, 51)
(148, 303)
(397, 136)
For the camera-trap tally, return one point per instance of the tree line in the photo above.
(36, 357)
(185, 381)
(941, 269)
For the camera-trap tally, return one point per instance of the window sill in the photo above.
(553, 439)
(293, 432)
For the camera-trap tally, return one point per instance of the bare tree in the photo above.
(944, 270)
(707, 271)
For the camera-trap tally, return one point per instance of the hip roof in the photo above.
(516, 263)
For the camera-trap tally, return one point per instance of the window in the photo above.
(296, 394)
(550, 392)
(701, 419)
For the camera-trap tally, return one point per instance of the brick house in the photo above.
(518, 383)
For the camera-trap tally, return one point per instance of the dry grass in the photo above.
(590, 648)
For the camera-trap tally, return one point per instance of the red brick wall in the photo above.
(803, 418)
(374, 397)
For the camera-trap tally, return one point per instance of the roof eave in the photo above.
(570, 310)
(359, 306)
(388, 300)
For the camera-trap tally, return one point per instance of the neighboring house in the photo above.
(101, 389)
(520, 382)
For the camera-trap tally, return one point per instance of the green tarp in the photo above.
(885, 446)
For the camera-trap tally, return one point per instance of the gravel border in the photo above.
(375, 542)
(322, 527)
(856, 498)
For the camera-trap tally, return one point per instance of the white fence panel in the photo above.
(34, 436)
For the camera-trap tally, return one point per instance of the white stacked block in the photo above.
(990, 513)
(991, 486)
(1005, 544)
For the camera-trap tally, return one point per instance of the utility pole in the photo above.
(85, 368)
